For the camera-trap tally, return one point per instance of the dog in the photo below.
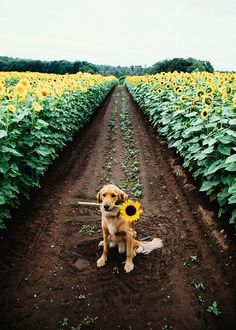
(119, 232)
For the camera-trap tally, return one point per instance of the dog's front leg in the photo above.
(129, 251)
(102, 261)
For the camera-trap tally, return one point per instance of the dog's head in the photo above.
(110, 195)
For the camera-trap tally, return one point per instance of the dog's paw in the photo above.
(129, 266)
(101, 261)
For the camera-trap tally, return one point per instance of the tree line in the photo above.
(63, 66)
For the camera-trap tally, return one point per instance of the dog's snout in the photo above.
(106, 206)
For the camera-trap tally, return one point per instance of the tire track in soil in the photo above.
(47, 272)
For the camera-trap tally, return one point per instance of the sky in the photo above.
(123, 32)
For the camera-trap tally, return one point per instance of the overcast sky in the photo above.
(122, 32)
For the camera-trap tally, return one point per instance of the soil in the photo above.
(48, 274)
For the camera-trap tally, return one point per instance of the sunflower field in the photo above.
(196, 113)
(39, 114)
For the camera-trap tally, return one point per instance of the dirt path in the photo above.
(48, 274)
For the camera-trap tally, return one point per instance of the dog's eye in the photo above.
(113, 195)
(104, 195)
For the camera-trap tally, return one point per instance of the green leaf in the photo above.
(233, 217)
(231, 167)
(2, 133)
(230, 159)
(215, 166)
(44, 151)
(35, 165)
(232, 121)
(225, 139)
(222, 197)
(208, 150)
(232, 199)
(224, 150)
(209, 141)
(232, 189)
(11, 151)
(2, 199)
(207, 185)
(40, 124)
(3, 166)
(231, 132)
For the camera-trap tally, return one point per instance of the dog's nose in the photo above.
(106, 206)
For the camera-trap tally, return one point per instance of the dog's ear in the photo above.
(122, 197)
(99, 198)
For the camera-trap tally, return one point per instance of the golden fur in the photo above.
(117, 231)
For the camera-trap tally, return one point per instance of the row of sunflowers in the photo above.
(196, 113)
(39, 114)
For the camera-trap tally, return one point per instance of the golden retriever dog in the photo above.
(120, 232)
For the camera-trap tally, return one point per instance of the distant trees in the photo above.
(62, 66)
(181, 64)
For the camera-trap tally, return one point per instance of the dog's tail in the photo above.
(147, 247)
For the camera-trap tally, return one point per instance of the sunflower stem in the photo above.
(92, 203)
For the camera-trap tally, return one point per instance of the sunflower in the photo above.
(41, 93)
(12, 108)
(178, 89)
(204, 114)
(36, 106)
(20, 90)
(209, 90)
(224, 97)
(207, 100)
(200, 92)
(25, 82)
(2, 90)
(130, 210)
(183, 98)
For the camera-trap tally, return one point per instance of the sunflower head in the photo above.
(12, 108)
(204, 114)
(200, 92)
(130, 210)
(36, 106)
(207, 101)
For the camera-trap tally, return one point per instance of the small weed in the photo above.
(63, 323)
(166, 325)
(166, 299)
(200, 299)
(194, 258)
(68, 220)
(185, 262)
(214, 309)
(87, 321)
(199, 286)
(87, 230)
(80, 297)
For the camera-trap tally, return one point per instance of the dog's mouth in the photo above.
(109, 210)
